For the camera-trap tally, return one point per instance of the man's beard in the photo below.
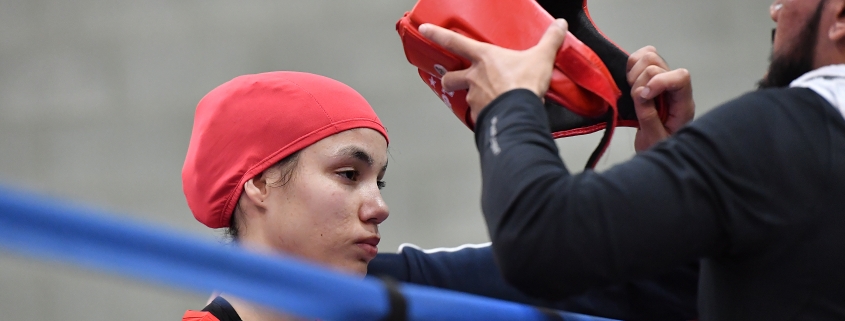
(784, 68)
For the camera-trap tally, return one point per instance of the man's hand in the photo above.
(497, 70)
(649, 76)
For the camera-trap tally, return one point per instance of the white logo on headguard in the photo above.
(440, 69)
(446, 101)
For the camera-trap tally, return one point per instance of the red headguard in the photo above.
(581, 82)
(250, 123)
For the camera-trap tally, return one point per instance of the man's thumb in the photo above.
(554, 36)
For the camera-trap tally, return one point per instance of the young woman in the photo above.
(289, 163)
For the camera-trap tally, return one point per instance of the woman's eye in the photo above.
(350, 175)
(381, 184)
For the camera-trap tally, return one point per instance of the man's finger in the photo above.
(678, 90)
(672, 81)
(452, 41)
(645, 76)
(553, 38)
(645, 61)
(637, 55)
(647, 114)
(455, 80)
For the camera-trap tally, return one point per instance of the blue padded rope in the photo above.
(46, 229)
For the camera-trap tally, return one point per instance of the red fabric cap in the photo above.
(191, 315)
(250, 123)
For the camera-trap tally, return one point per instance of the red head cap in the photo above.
(250, 123)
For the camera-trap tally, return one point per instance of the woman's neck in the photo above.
(251, 312)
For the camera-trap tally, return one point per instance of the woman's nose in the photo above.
(374, 209)
(774, 9)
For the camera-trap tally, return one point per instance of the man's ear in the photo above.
(837, 29)
(256, 190)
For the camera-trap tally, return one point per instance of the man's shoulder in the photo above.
(771, 108)
(784, 99)
(765, 123)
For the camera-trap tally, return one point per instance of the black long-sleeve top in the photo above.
(669, 296)
(756, 188)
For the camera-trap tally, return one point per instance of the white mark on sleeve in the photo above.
(494, 143)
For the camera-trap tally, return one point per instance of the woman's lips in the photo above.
(369, 246)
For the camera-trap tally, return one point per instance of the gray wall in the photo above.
(97, 99)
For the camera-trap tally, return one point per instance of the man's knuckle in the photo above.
(653, 57)
(648, 115)
(653, 70)
(632, 61)
(447, 42)
(683, 73)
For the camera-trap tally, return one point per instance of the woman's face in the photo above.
(330, 209)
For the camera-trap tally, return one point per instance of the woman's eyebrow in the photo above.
(357, 153)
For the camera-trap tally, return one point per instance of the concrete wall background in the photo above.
(97, 99)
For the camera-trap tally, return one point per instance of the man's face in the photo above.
(794, 43)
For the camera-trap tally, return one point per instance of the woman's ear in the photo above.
(256, 190)
(837, 29)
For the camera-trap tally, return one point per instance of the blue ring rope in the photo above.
(47, 229)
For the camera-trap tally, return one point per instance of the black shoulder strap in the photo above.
(398, 304)
(221, 309)
(551, 315)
